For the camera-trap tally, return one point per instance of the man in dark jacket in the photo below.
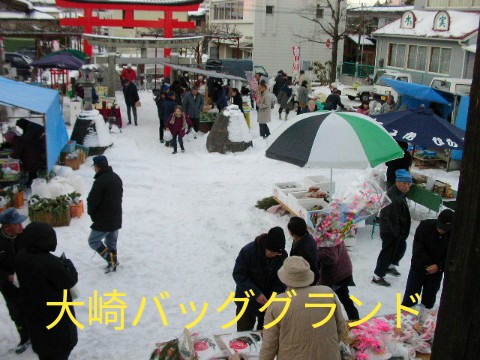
(130, 93)
(430, 246)
(160, 100)
(279, 82)
(394, 229)
(104, 205)
(43, 278)
(193, 106)
(10, 245)
(256, 269)
(336, 272)
(304, 244)
(403, 163)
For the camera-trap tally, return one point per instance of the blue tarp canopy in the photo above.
(43, 101)
(416, 91)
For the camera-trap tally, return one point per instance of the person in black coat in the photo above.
(169, 108)
(237, 99)
(159, 101)
(43, 278)
(304, 244)
(403, 163)
(104, 205)
(333, 101)
(256, 269)
(130, 93)
(10, 245)
(430, 246)
(394, 229)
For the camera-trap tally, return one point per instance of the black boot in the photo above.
(104, 252)
(112, 262)
(24, 340)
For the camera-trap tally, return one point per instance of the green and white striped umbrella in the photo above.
(338, 140)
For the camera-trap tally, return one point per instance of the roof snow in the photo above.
(16, 15)
(364, 40)
(357, 7)
(470, 48)
(462, 24)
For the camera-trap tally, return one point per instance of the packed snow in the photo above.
(185, 218)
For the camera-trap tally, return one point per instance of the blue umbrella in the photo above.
(63, 60)
(422, 127)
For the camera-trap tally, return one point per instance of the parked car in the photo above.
(378, 90)
(381, 90)
(452, 85)
(21, 63)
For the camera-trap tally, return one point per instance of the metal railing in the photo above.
(357, 70)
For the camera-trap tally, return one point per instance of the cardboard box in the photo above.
(281, 190)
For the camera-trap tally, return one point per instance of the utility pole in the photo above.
(458, 323)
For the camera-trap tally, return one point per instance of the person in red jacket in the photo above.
(128, 73)
(336, 272)
(178, 123)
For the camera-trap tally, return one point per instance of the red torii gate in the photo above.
(168, 23)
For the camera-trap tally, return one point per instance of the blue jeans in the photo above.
(96, 237)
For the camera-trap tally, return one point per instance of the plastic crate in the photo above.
(69, 146)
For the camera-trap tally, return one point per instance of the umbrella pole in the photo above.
(331, 183)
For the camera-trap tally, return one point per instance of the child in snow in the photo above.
(178, 124)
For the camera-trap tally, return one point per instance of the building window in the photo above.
(319, 12)
(231, 10)
(417, 57)
(451, 3)
(440, 60)
(396, 55)
(269, 9)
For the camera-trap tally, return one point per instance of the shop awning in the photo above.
(416, 91)
(43, 101)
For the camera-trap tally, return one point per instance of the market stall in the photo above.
(43, 103)
(432, 193)
(406, 337)
(432, 136)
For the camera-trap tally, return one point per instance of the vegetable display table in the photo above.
(430, 199)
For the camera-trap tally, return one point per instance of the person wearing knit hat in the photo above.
(429, 254)
(256, 271)
(293, 336)
(394, 228)
(10, 245)
(275, 240)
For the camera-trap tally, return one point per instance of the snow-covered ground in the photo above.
(186, 216)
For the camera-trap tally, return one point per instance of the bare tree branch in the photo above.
(332, 25)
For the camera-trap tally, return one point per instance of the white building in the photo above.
(268, 29)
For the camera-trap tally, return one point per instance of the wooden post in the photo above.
(458, 324)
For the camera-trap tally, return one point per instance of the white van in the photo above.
(452, 85)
